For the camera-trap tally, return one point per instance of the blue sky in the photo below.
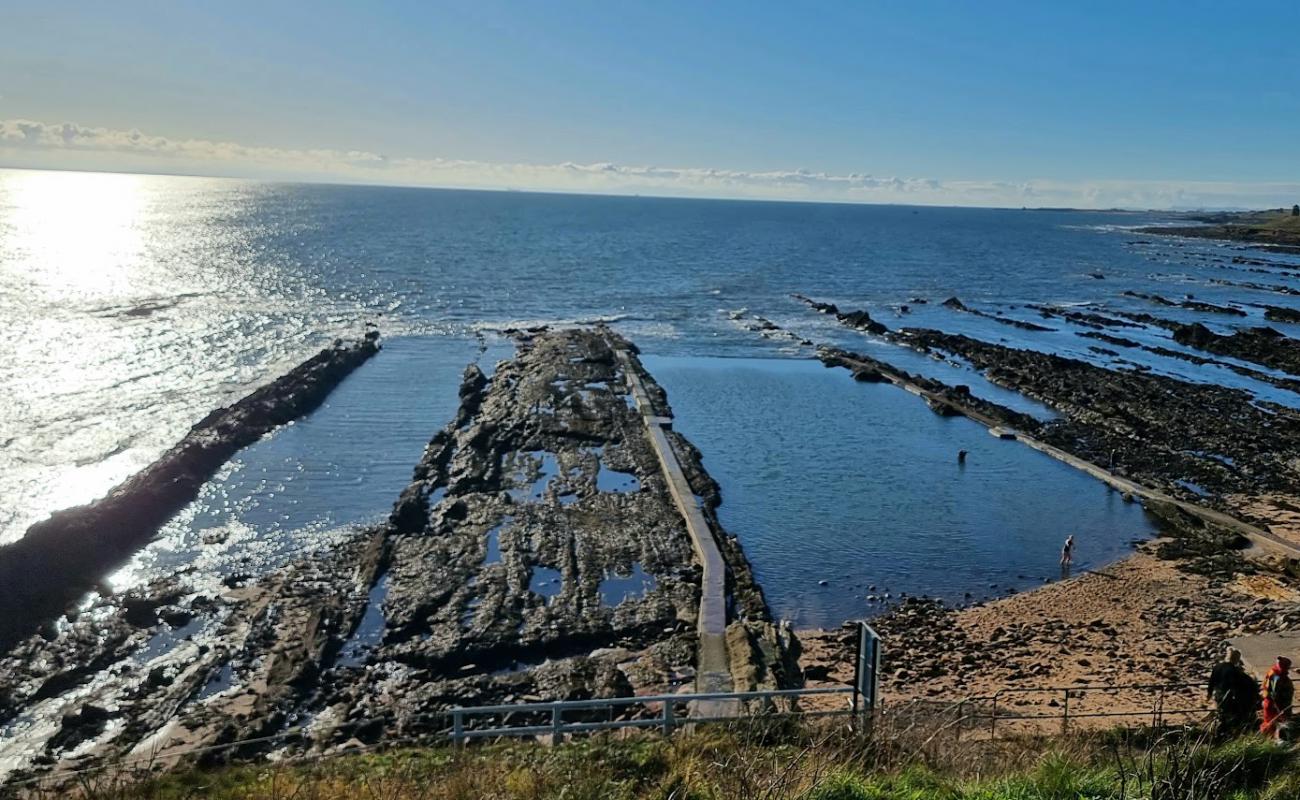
(965, 102)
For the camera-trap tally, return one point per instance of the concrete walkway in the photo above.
(1258, 536)
(713, 673)
(1259, 651)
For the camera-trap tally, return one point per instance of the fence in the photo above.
(920, 722)
(1054, 708)
(707, 707)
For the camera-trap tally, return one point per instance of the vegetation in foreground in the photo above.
(753, 763)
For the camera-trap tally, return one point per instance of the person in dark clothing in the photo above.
(1235, 694)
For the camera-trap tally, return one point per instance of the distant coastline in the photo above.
(1275, 228)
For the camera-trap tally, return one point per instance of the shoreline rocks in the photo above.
(536, 554)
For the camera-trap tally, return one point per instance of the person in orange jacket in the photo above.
(1278, 693)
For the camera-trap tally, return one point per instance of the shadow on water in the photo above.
(858, 485)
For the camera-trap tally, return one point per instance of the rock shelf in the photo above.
(488, 583)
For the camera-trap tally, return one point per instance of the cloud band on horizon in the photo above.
(29, 143)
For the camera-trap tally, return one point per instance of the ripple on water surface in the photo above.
(857, 484)
(307, 483)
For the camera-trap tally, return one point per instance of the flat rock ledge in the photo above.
(536, 554)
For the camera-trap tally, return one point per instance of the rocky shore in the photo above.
(1275, 230)
(535, 555)
(1142, 621)
(1161, 616)
(62, 557)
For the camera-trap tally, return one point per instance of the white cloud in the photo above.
(31, 143)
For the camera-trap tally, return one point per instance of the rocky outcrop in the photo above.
(62, 557)
(1193, 440)
(1086, 319)
(854, 319)
(1194, 305)
(1263, 345)
(957, 305)
(1290, 384)
(1281, 314)
(950, 399)
(536, 554)
(1259, 287)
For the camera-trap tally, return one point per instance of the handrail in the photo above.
(633, 700)
(1157, 712)
(667, 718)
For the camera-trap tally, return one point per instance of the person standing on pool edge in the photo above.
(1067, 556)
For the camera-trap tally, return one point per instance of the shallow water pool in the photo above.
(858, 485)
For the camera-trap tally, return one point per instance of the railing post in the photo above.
(961, 718)
(993, 718)
(668, 717)
(457, 727)
(557, 728)
(1065, 718)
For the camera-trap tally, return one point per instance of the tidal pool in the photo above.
(857, 485)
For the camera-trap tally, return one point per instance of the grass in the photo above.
(1277, 222)
(747, 762)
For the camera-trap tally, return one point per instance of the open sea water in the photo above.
(136, 304)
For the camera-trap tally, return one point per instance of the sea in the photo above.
(134, 305)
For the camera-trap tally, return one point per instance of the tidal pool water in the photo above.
(858, 485)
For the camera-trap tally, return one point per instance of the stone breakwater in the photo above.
(61, 558)
(535, 555)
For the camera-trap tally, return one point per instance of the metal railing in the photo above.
(979, 715)
(548, 718)
(1159, 710)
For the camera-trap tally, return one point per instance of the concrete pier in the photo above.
(712, 669)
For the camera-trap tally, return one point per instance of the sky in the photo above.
(1098, 104)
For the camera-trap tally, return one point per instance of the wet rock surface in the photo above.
(1263, 345)
(957, 305)
(536, 555)
(1157, 430)
(62, 557)
(1194, 305)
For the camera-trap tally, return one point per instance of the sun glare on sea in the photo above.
(76, 235)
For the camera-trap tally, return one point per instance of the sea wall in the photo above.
(62, 557)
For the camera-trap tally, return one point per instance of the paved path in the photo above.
(713, 673)
(1258, 536)
(1258, 652)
